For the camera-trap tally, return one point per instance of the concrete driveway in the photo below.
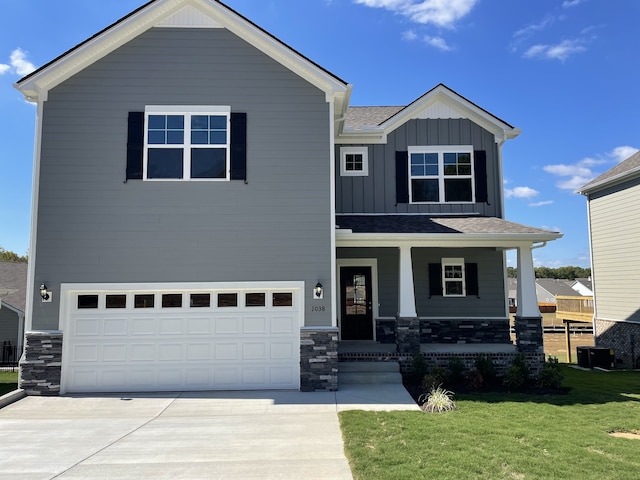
(209, 435)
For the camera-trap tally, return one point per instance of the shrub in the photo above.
(487, 370)
(436, 377)
(456, 371)
(438, 400)
(551, 376)
(517, 374)
(418, 368)
(473, 380)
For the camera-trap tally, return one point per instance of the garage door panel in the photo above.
(233, 346)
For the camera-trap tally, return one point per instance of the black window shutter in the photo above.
(480, 172)
(435, 279)
(135, 144)
(402, 177)
(238, 158)
(471, 276)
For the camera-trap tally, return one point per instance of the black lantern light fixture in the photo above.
(318, 291)
(44, 292)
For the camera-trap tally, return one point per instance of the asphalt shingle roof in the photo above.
(624, 168)
(358, 117)
(13, 276)
(427, 224)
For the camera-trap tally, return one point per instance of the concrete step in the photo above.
(350, 373)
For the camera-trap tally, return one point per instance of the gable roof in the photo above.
(180, 13)
(556, 287)
(625, 170)
(13, 277)
(373, 124)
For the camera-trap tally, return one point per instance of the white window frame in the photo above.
(441, 150)
(187, 112)
(453, 262)
(344, 151)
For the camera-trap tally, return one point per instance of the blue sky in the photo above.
(564, 71)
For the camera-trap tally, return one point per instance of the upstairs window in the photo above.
(441, 174)
(186, 143)
(354, 161)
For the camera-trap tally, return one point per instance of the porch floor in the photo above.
(366, 346)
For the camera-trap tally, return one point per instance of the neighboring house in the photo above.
(13, 284)
(210, 213)
(546, 290)
(584, 286)
(613, 201)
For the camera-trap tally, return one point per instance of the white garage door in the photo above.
(196, 337)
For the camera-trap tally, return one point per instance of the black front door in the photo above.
(356, 319)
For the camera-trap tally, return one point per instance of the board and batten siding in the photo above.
(615, 243)
(95, 227)
(376, 193)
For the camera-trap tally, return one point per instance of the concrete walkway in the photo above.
(208, 435)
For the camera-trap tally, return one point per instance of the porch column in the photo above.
(528, 321)
(527, 298)
(406, 295)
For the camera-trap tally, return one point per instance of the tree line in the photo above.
(561, 273)
(9, 256)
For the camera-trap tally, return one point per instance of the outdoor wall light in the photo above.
(318, 291)
(44, 292)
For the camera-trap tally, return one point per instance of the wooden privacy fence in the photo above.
(573, 309)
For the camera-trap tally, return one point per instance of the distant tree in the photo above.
(9, 256)
(561, 273)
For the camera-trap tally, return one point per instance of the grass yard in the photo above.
(8, 382)
(510, 436)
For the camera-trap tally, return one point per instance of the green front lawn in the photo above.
(8, 382)
(512, 436)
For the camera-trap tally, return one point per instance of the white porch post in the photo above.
(406, 295)
(527, 298)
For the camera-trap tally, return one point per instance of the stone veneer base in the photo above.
(319, 359)
(41, 364)
(623, 338)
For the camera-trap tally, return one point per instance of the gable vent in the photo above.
(189, 17)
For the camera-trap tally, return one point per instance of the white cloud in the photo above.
(535, 27)
(520, 192)
(622, 153)
(560, 51)
(443, 13)
(437, 42)
(571, 3)
(18, 63)
(409, 35)
(581, 172)
(541, 204)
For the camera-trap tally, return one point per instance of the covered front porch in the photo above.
(437, 286)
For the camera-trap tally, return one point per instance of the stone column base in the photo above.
(319, 359)
(41, 364)
(408, 335)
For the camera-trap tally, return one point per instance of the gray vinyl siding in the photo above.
(491, 301)
(376, 193)
(94, 227)
(8, 327)
(387, 265)
(615, 230)
(491, 298)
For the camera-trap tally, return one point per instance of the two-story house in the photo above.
(210, 213)
(613, 208)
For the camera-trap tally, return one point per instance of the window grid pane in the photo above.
(452, 175)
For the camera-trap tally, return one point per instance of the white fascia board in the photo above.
(155, 13)
(17, 311)
(349, 239)
(610, 182)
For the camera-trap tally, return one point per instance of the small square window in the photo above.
(87, 301)
(144, 300)
(172, 300)
(200, 300)
(255, 300)
(116, 301)
(282, 299)
(354, 161)
(227, 300)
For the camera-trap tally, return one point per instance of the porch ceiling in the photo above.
(425, 230)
